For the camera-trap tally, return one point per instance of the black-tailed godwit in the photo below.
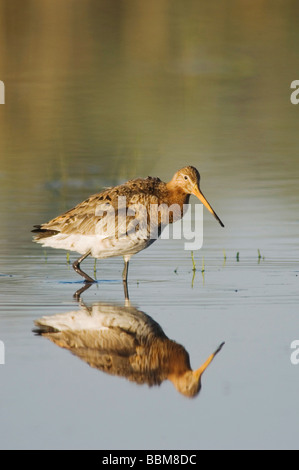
(100, 225)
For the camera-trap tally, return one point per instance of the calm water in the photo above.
(100, 92)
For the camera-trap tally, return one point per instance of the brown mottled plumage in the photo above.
(88, 231)
(124, 341)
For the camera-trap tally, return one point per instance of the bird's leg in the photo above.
(125, 271)
(77, 294)
(125, 277)
(76, 266)
(126, 291)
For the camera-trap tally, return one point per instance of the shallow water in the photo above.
(99, 94)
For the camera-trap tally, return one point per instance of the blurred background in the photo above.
(98, 92)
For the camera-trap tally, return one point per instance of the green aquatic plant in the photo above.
(193, 262)
(260, 256)
(194, 269)
(203, 265)
(238, 256)
(193, 278)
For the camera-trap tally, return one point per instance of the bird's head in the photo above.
(189, 383)
(188, 180)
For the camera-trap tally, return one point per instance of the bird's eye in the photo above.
(185, 178)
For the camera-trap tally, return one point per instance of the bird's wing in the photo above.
(121, 208)
(113, 351)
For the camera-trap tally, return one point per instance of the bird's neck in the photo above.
(171, 356)
(176, 195)
(178, 360)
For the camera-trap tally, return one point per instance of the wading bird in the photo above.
(104, 225)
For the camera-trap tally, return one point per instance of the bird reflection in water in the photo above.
(123, 341)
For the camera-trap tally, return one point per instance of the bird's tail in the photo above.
(41, 232)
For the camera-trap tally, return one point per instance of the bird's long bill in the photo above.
(202, 199)
(198, 373)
